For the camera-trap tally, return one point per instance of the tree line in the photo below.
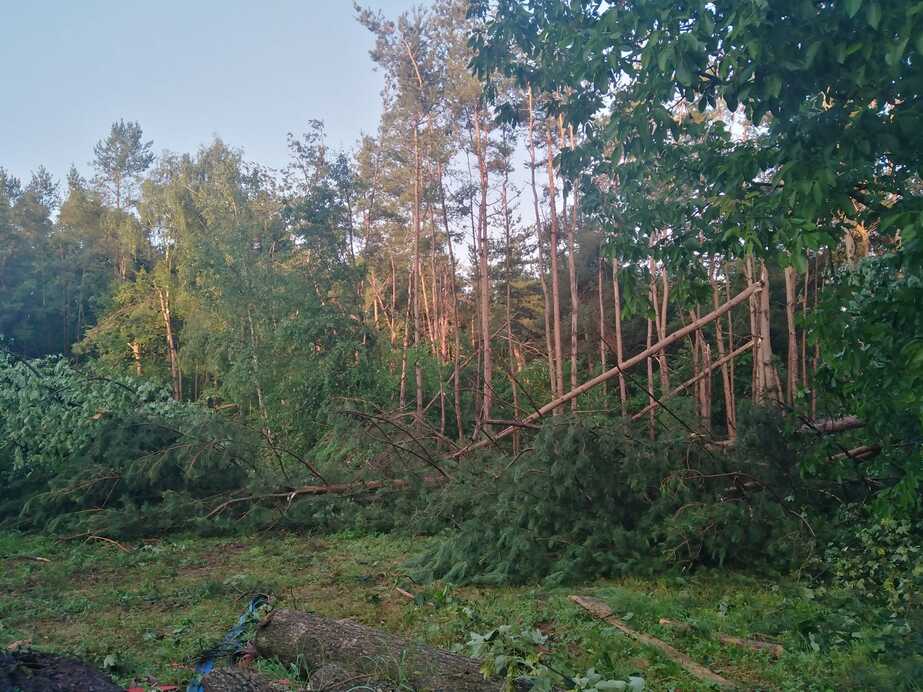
(644, 211)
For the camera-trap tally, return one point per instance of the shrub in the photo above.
(94, 454)
(880, 562)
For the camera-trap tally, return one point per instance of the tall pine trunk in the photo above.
(791, 379)
(730, 414)
(619, 348)
(570, 226)
(176, 377)
(600, 296)
(541, 254)
(456, 355)
(553, 254)
(417, 278)
(484, 269)
(513, 363)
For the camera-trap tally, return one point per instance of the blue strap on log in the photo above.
(228, 646)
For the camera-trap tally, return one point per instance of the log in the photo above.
(621, 367)
(329, 489)
(860, 453)
(236, 679)
(826, 426)
(603, 612)
(711, 368)
(295, 637)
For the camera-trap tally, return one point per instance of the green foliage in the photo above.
(880, 560)
(870, 329)
(597, 499)
(517, 655)
(765, 128)
(120, 158)
(649, 76)
(115, 456)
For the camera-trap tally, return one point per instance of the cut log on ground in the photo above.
(295, 637)
(603, 612)
(235, 679)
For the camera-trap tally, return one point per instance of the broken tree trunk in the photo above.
(860, 453)
(295, 637)
(621, 367)
(826, 426)
(603, 612)
(329, 489)
(791, 370)
(619, 351)
(727, 381)
(717, 364)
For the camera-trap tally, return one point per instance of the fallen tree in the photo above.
(314, 641)
(620, 367)
(691, 381)
(329, 489)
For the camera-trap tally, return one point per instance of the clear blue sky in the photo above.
(248, 71)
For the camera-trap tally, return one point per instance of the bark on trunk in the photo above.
(721, 362)
(417, 279)
(619, 349)
(553, 254)
(570, 226)
(295, 637)
(730, 414)
(652, 430)
(832, 425)
(600, 295)
(484, 269)
(512, 364)
(135, 347)
(176, 376)
(541, 253)
(456, 355)
(660, 320)
(757, 386)
(791, 375)
(773, 387)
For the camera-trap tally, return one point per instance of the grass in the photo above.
(145, 613)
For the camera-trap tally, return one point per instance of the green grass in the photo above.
(147, 612)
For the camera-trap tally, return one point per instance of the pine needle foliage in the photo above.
(597, 499)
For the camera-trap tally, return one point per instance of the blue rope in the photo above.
(228, 646)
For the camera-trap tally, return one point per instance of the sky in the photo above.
(248, 71)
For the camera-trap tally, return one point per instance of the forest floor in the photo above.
(144, 613)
